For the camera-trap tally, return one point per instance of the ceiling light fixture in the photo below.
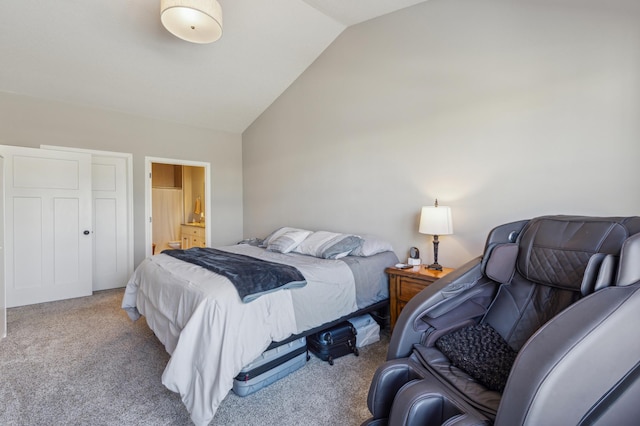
(197, 21)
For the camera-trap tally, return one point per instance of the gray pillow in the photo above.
(341, 248)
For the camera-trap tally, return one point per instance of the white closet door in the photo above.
(110, 222)
(48, 237)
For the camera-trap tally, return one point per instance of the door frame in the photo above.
(3, 290)
(129, 159)
(148, 210)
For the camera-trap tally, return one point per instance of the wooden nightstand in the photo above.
(406, 283)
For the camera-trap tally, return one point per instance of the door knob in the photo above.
(86, 232)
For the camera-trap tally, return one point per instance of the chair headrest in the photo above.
(629, 271)
(499, 261)
(555, 250)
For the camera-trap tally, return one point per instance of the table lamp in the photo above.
(436, 220)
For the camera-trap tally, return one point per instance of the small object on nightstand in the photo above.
(414, 257)
(402, 266)
(406, 283)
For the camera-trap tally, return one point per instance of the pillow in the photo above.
(481, 352)
(328, 245)
(342, 247)
(278, 232)
(287, 241)
(371, 245)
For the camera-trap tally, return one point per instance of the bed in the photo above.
(211, 333)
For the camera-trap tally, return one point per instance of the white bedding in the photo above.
(211, 334)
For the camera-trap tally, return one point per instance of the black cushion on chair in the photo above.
(481, 352)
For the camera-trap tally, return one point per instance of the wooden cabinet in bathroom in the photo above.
(192, 236)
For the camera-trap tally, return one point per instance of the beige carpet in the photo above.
(82, 361)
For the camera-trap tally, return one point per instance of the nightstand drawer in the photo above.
(410, 288)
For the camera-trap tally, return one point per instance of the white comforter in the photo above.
(211, 334)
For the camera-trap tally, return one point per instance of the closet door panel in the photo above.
(27, 242)
(67, 241)
(106, 240)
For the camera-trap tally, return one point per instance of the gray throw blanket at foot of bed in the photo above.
(252, 277)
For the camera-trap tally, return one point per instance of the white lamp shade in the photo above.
(436, 220)
(197, 21)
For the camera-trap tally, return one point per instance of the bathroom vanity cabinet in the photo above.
(193, 235)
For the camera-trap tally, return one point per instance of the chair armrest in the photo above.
(405, 334)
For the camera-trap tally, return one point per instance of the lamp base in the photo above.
(435, 266)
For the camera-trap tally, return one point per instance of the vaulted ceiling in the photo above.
(116, 55)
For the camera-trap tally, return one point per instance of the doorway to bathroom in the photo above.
(178, 204)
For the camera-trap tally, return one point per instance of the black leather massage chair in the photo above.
(543, 329)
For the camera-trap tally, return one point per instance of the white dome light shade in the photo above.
(197, 21)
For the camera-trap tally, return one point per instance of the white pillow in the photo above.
(287, 241)
(328, 245)
(278, 232)
(371, 245)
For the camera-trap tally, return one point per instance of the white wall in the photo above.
(503, 110)
(31, 122)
